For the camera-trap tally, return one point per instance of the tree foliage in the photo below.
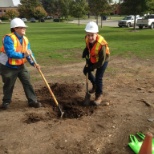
(99, 7)
(47, 4)
(55, 7)
(65, 7)
(12, 13)
(27, 7)
(78, 9)
(133, 7)
(150, 6)
(58, 8)
(39, 12)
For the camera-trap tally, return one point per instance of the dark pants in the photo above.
(9, 77)
(0, 68)
(98, 78)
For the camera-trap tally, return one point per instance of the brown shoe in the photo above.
(98, 99)
(93, 89)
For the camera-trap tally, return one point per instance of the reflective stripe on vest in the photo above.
(18, 47)
(100, 41)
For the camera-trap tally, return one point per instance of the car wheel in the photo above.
(140, 27)
(152, 26)
(129, 25)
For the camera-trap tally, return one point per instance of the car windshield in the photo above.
(127, 18)
(149, 17)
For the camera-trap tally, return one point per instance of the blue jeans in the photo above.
(98, 78)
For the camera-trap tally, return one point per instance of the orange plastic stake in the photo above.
(146, 147)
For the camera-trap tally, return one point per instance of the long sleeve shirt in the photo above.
(11, 53)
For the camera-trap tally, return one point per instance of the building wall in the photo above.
(3, 10)
(6, 5)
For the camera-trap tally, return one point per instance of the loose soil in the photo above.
(127, 108)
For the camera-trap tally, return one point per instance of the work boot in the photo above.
(98, 99)
(93, 89)
(5, 106)
(35, 104)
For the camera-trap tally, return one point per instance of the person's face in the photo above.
(91, 37)
(20, 30)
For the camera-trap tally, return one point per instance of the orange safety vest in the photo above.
(18, 47)
(100, 41)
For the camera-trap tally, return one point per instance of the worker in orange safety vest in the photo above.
(97, 56)
(14, 53)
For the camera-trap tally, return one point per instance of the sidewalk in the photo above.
(111, 23)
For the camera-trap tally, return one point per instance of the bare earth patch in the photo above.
(127, 108)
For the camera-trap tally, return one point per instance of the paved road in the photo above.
(111, 23)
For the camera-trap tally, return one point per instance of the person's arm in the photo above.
(85, 53)
(28, 57)
(9, 49)
(30, 60)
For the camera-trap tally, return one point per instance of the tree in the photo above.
(65, 5)
(150, 6)
(99, 7)
(53, 7)
(78, 9)
(47, 4)
(12, 13)
(27, 7)
(39, 12)
(133, 7)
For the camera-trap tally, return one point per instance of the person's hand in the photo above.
(37, 66)
(85, 54)
(89, 69)
(27, 53)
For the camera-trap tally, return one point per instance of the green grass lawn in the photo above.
(64, 43)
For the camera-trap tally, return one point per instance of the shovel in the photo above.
(52, 94)
(87, 96)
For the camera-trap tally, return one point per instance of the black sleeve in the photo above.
(85, 53)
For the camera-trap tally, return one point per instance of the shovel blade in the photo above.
(87, 99)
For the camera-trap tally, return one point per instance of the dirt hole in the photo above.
(69, 99)
(75, 110)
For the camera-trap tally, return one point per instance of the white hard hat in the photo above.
(91, 27)
(17, 22)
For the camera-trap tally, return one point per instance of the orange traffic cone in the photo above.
(146, 147)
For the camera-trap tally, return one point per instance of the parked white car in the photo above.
(128, 21)
(147, 21)
(0, 21)
(24, 19)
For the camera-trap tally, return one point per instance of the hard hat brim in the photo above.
(89, 31)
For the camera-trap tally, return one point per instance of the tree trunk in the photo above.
(135, 22)
(78, 21)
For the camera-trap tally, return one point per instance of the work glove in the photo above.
(89, 69)
(85, 53)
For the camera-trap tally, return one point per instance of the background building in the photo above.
(8, 4)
